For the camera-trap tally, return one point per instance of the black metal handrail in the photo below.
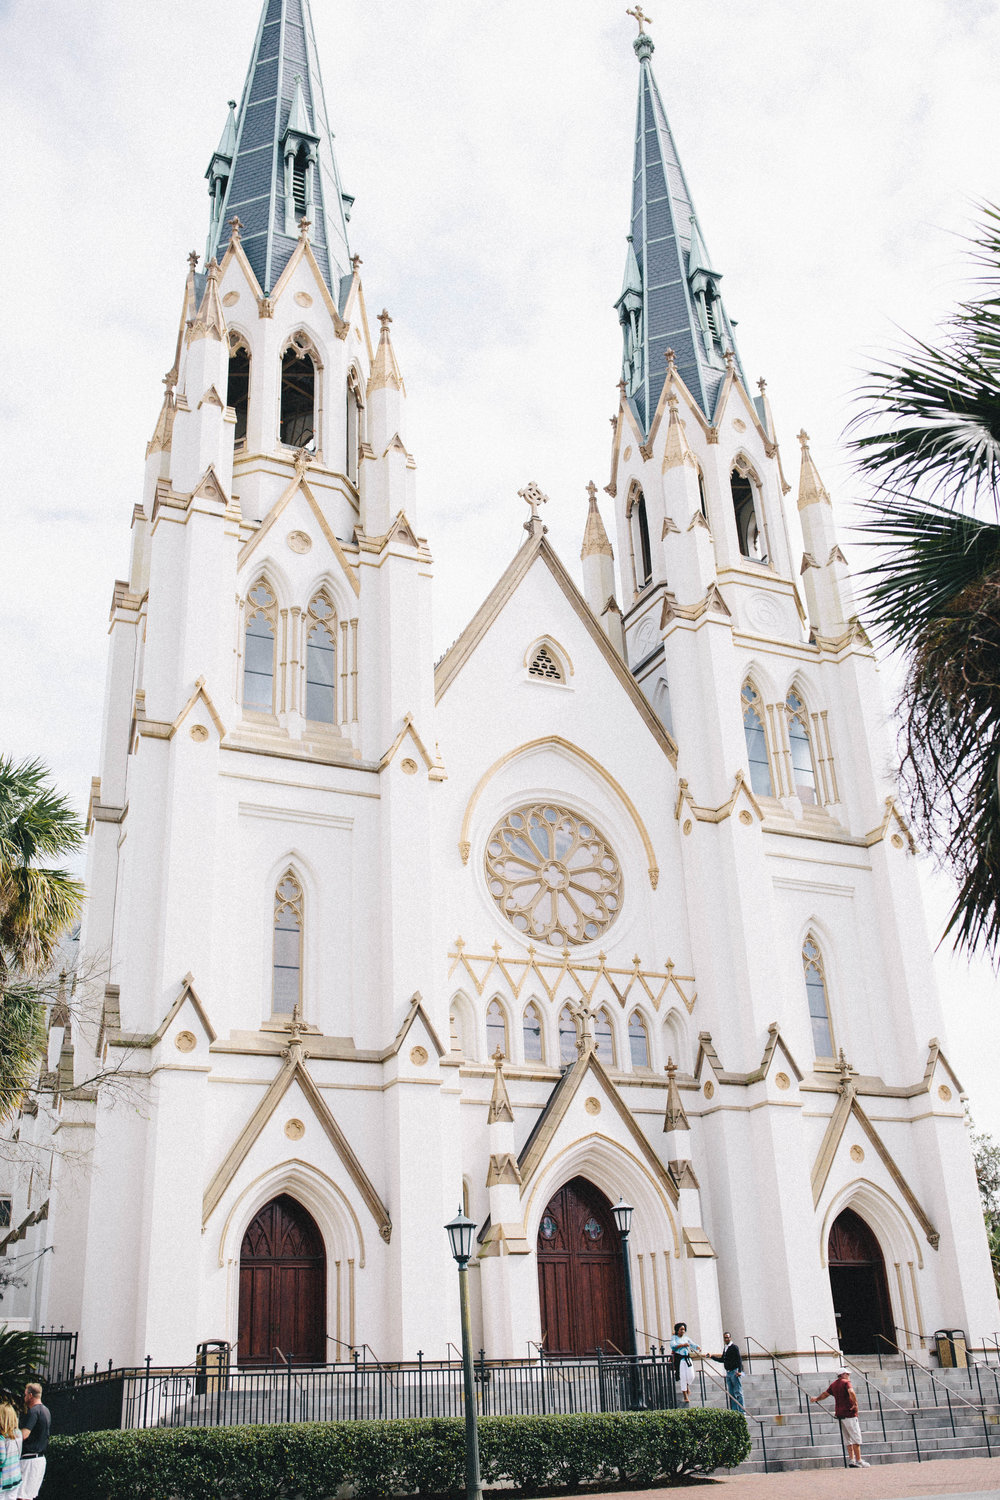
(908, 1361)
(850, 1364)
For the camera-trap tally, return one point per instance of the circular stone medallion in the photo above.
(185, 1041)
(303, 299)
(593, 1106)
(782, 1080)
(299, 541)
(418, 1056)
(944, 1093)
(294, 1129)
(709, 1088)
(857, 1153)
(230, 299)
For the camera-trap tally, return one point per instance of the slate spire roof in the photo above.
(282, 114)
(670, 294)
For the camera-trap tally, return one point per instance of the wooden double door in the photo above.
(282, 1287)
(581, 1284)
(859, 1286)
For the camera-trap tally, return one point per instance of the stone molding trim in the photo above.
(655, 983)
(36, 1216)
(537, 548)
(554, 1111)
(299, 482)
(112, 1033)
(847, 1105)
(162, 729)
(706, 1050)
(892, 815)
(557, 741)
(686, 805)
(294, 1071)
(416, 1009)
(435, 769)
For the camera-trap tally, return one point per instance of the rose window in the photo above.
(553, 875)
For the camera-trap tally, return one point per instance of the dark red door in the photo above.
(859, 1287)
(282, 1287)
(580, 1282)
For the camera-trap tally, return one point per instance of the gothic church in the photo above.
(373, 947)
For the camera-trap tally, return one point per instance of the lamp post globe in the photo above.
(623, 1217)
(461, 1234)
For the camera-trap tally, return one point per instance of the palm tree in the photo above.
(931, 450)
(38, 902)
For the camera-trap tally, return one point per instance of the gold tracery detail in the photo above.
(553, 875)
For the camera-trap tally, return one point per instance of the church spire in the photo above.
(275, 164)
(670, 295)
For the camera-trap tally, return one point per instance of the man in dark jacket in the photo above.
(732, 1362)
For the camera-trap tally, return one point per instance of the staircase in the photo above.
(781, 1430)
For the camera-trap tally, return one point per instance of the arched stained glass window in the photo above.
(286, 984)
(803, 770)
(819, 1008)
(753, 728)
(567, 1036)
(638, 1041)
(321, 662)
(532, 1032)
(604, 1037)
(258, 649)
(496, 1029)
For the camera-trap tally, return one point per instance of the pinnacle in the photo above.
(595, 538)
(812, 490)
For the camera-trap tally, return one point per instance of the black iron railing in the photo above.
(201, 1396)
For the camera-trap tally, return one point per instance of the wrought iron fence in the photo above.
(222, 1396)
(60, 1355)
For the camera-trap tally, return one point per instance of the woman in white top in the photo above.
(10, 1451)
(683, 1348)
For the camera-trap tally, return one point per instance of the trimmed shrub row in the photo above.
(311, 1460)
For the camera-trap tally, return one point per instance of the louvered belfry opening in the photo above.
(298, 398)
(282, 1312)
(299, 183)
(238, 389)
(544, 664)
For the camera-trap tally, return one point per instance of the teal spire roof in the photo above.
(670, 296)
(275, 164)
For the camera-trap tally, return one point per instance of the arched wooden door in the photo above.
(282, 1287)
(581, 1286)
(859, 1286)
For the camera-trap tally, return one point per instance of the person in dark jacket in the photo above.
(731, 1361)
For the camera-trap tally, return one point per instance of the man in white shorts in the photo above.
(845, 1409)
(35, 1427)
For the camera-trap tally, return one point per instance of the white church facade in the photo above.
(372, 947)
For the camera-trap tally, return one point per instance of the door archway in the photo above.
(282, 1286)
(581, 1286)
(859, 1285)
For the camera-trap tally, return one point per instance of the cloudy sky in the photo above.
(836, 154)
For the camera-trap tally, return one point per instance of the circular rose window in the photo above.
(553, 875)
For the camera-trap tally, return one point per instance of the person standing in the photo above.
(10, 1452)
(683, 1348)
(731, 1361)
(845, 1409)
(36, 1425)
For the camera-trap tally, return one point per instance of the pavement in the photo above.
(961, 1478)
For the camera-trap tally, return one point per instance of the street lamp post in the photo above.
(460, 1233)
(623, 1218)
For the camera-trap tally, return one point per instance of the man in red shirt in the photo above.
(845, 1409)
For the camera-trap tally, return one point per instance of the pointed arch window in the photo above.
(604, 1038)
(286, 972)
(258, 648)
(298, 395)
(748, 528)
(567, 1037)
(702, 495)
(321, 661)
(645, 558)
(532, 1033)
(800, 744)
(496, 1029)
(753, 729)
(819, 1005)
(638, 1041)
(238, 387)
(354, 426)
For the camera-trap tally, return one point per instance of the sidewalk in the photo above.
(962, 1478)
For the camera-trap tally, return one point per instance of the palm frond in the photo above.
(22, 1046)
(41, 904)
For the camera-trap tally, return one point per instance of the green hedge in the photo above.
(311, 1460)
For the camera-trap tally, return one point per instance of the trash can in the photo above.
(212, 1366)
(951, 1348)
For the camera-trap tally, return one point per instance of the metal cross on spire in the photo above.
(533, 497)
(639, 16)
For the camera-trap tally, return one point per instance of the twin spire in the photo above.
(670, 297)
(275, 164)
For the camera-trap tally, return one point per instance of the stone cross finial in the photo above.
(639, 16)
(498, 1058)
(803, 438)
(212, 269)
(671, 359)
(533, 497)
(193, 259)
(304, 227)
(671, 1068)
(385, 320)
(762, 385)
(235, 229)
(730, 358)
(592, 492)
(356, 262)
(301, 460)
